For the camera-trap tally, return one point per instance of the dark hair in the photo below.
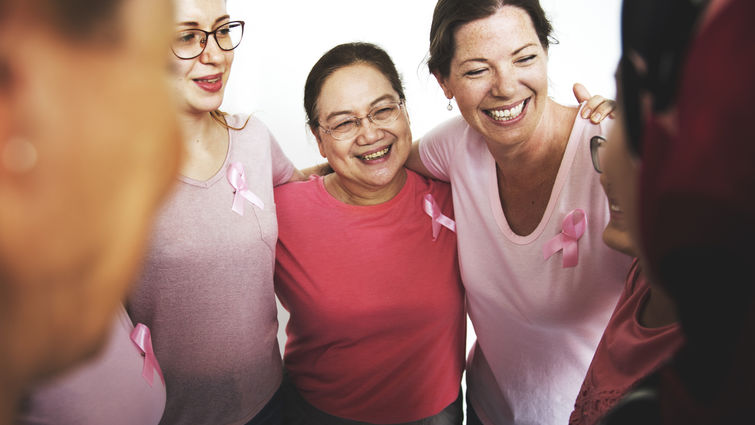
(75, 19)
(451, 14)
(342, 56)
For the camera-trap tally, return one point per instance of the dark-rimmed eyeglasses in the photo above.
(190, 43)
(380, 116)
(596, 142)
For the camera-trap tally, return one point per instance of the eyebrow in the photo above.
(514, 53)
(196, 24)
(372, 105)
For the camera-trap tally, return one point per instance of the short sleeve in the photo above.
(283, 168)
(436, 148)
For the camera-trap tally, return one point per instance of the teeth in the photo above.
(214, 80)
(376, 155)
(506, 114)
(614, 208)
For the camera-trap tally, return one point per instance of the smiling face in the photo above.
(620, 181)
(616, 234)
(372, 162)
(498, 75)
(200, 82)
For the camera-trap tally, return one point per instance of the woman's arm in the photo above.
(414, 162)
(298, 175)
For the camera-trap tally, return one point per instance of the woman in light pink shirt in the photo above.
(207, 287)
(530, 211)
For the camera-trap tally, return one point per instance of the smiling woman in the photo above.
(539, 292)
(207, 286)
(364, 263)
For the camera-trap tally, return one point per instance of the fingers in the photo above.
(604, 109)
(592, 103)
(596, 107)
(580, 92)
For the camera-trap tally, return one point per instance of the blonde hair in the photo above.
(219, 116)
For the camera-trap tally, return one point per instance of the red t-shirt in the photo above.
(377, 326)
(627, 353)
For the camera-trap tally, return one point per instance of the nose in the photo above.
(211, 52)
(369, 133)
(504, 83)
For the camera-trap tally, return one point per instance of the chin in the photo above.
(618, 239)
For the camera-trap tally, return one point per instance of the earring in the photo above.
(450, 107)
(19, 156)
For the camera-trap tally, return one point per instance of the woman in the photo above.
(366, 261)
(687, 98)
(76, 194)
(642, 333)
(540, 283)
(207, 288)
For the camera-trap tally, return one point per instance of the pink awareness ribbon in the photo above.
(237, 178)
(438, 219)
(142, 338)
(572, 229)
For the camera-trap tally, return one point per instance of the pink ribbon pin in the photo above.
(572, 229)
(142, 338)
(237, 178)
(438, 219)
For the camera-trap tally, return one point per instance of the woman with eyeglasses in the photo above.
(207, 287)
(366, 261)
(643, 332)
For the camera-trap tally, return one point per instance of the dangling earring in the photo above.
(19, 156)
(450, 107)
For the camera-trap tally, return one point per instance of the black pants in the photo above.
(272, 413)
(297, 411)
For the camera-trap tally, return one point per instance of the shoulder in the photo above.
(247, 126)
(440, 190)
(298, 187)
(443, 146)
(451, 129)
(296, 192)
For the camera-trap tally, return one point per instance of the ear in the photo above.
(443, 82)
(8, 115)
(318, 138)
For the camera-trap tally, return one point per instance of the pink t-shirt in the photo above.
(207, 288)
(109, 389)
(377, 326)
(627, 353)
(537, 322)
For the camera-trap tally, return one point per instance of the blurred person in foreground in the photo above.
(686, 93)
(84, 161)
(643, 332)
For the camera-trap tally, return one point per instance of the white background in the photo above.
(282, 40)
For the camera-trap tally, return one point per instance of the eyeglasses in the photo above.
(596, 142)
(380, 116)
(189, 44)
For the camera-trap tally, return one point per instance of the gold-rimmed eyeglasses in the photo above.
(190, 43)
(380, 116)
